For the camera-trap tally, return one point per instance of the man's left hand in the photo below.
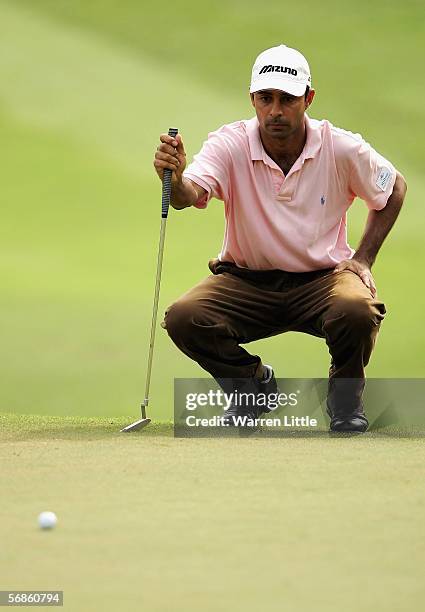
(361, 269)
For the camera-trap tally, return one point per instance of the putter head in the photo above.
(136, 425)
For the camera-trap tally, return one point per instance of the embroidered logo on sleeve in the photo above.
(384, 176)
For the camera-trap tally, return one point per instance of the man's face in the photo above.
(279, 113)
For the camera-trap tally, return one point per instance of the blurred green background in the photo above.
(85, 90)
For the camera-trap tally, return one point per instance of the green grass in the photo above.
(146, 521)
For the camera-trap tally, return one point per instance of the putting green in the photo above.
(146, 521)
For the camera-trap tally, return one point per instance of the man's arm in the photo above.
(377, 228)
(379, 223)
(186, 193)
(171, 154)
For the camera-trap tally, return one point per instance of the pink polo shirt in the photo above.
(295, 222)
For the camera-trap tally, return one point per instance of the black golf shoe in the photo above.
(348, 421)
(257, 394)
(345, 405)
(357, 423)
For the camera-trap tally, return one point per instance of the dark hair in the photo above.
(307, 91)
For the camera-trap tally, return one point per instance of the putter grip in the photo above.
(166, 182)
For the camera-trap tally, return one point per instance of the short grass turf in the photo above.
(150, 522)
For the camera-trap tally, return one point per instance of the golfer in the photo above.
(287, 182)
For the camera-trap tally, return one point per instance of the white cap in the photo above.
(281, 68)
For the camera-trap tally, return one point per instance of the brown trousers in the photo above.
(235, 306)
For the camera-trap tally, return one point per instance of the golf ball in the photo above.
(47, 520)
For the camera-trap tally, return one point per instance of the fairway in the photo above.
(149, 522)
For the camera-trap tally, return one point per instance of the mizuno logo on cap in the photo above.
(278, 69)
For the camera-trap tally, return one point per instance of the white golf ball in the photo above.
(47, 520)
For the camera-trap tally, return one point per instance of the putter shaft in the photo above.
(166, 197)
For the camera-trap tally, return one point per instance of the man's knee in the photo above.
(177, 318)
(358, 316)
(183, 318)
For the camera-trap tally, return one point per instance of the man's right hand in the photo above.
(170, 154)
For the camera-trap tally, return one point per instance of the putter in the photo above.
(166, 194)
